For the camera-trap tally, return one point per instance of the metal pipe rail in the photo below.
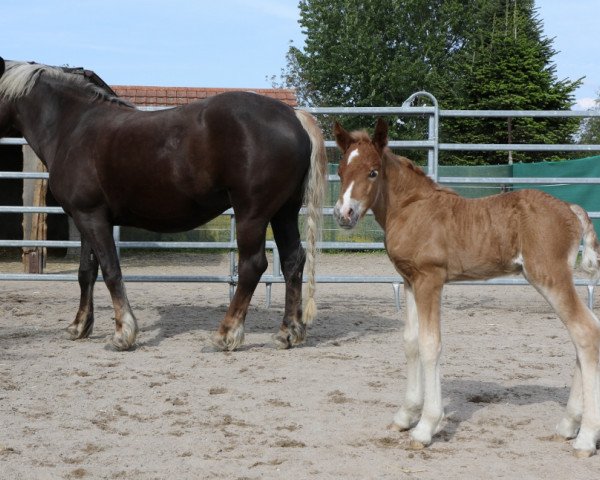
(431, 144)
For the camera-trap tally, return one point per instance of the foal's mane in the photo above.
(20, 77)
(406, 163)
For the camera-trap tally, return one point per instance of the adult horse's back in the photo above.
(172, 170)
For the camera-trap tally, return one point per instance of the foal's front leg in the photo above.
(428, 292)
(410, 412)
(83, 324)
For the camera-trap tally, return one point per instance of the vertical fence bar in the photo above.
(276, 273)
(117, 238)
(232, 264)
(433, 125)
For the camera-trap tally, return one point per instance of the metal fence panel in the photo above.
(431, 144)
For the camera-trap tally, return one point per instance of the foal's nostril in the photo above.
(350, 212)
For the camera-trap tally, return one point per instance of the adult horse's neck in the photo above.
(402, 183)
(48, 114)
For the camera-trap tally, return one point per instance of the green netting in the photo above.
(475, 190)
(588, 196)
(585, 195)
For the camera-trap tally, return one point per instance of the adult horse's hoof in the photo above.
(289, 337)
(229, 341)
(80, 330)
(81, 327)
(282, 340)
(125, 338)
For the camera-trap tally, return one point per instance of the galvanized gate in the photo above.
(431, 144)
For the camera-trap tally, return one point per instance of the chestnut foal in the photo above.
(434, 236)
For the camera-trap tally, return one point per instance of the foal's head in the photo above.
(359, 171)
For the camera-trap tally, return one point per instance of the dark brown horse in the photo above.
(172, 170)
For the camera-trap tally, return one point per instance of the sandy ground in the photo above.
(174, 408)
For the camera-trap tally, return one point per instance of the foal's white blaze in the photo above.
(353, 154)
(347, 202)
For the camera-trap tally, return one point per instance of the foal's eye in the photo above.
(373, 173)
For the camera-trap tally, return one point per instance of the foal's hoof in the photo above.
(568, 428)
(229, 341)
(405, 419)
(394, 427)
(287, 338)
(585, 443)
(584, 453)
(416, 445)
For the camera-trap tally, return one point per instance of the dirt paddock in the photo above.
(174, 408)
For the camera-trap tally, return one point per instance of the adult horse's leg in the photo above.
(584, 328)
(252, 263)
(83, 324)
(98, 231)
(428, 293)
(410, 412)
(292, 256)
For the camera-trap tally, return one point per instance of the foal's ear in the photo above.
(1, 66)
(380, 136)
(342, 137)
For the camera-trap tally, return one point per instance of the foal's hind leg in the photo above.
(584, 329)
(99, 233)
(83, 324)
(291, 253)
(568, 427)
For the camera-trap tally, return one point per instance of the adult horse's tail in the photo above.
(313, 198)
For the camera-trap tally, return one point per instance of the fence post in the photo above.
(433, 132)
(34, 225)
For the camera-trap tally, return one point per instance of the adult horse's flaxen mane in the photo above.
(19, 79)
(173, 170)
(434, 236)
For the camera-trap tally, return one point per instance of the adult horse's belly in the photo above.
(173, 214)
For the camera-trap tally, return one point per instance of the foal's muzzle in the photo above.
(348, 217)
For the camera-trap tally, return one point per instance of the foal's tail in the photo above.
(591, 248)
(313, 198)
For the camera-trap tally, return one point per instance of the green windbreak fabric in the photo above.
(477, 190)
(587, 196)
